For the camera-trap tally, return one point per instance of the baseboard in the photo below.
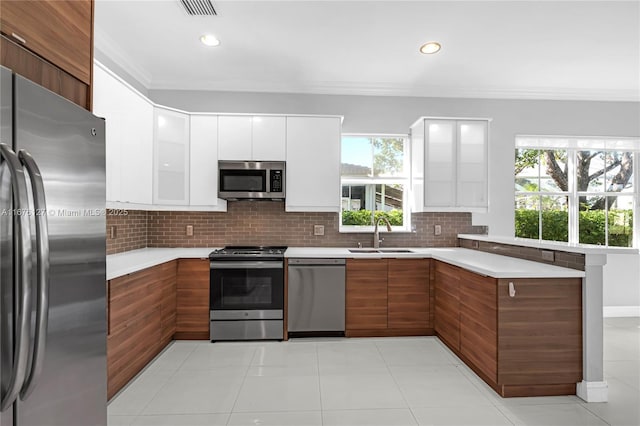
(593, 391)
(620, 311)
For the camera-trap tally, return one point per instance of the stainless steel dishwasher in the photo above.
(316, 296)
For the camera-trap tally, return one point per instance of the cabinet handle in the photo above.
(20, 39)
(512, 289)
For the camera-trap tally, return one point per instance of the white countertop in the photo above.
(492, 265)
(488, 264)
(136, 260)
(550, 245)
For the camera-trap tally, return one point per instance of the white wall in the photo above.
(621, 290)
(381, 114)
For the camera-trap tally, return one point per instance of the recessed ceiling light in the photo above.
(430, 47)
(209, 40)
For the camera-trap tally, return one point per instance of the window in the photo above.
(576, 190)
(375, 181)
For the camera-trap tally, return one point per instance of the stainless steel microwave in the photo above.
(253, 180)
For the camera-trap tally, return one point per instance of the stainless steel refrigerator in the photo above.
(52, 259)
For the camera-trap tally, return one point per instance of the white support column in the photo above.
(593, 387)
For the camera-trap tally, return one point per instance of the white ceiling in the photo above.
(498, 49)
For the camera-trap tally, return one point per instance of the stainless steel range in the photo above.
(247, 293)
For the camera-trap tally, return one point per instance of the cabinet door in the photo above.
(169, 272)
(417, 166)
(472, 163)
(129, 139)
(408, 293)
(269, 138)
(134, 326)
(478, 322)
(440, 163)
(136, 155)
(58, 31)
(29, 65)
(193, 299)
(234, 137)
(313, 164)
(171, 158)
(540, 331)
(447, 314)
(366, 298)
(204, 161)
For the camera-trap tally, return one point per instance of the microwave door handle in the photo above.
(21, 277)
(42, 277)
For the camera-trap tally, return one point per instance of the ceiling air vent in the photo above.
(198, 7)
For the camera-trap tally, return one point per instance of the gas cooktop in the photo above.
(248, 252)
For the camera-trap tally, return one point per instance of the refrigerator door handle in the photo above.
(42, 277)
(22, 268)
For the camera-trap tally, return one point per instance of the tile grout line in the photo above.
(404, 398)
(319, 385)
(244, 379)
(141, 414)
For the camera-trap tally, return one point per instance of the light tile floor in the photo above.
(391, 381)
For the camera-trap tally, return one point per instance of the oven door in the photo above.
(241, 286)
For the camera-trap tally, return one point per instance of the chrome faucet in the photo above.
(376, 234)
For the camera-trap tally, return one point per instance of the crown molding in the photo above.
(383, 89)
(105, 44)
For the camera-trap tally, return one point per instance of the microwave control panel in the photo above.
(276, 181)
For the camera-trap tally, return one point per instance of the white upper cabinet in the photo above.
(449, 165)
(129, 138)
(472, 171)
(244, 137)
(171, 157)
(269, 138)
(313, 164)
(234, 137)
(203, 187)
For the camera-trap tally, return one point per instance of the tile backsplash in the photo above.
(266, 223)
(126, 230)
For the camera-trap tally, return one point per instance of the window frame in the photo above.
(573, 144)
(376, 180)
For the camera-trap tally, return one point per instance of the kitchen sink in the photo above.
(382, 250)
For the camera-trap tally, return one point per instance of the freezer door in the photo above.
(6, 244)
(67, 143)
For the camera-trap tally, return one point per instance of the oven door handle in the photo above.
(246, 264)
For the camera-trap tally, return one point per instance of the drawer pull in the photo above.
(512, 289)
(20, 39)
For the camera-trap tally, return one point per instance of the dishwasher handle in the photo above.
(316, 262)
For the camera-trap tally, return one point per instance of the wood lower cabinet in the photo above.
(447, 303)
(140, 313)
(539, 336)
(527, 343)
(168, 299)
(478, 322)
(192, 299)
(388, 297)
(366, 297)
(408, 294)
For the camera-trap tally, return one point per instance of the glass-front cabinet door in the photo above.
(440, 163)
(450, 164)
(472, 163)
(171, 157)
